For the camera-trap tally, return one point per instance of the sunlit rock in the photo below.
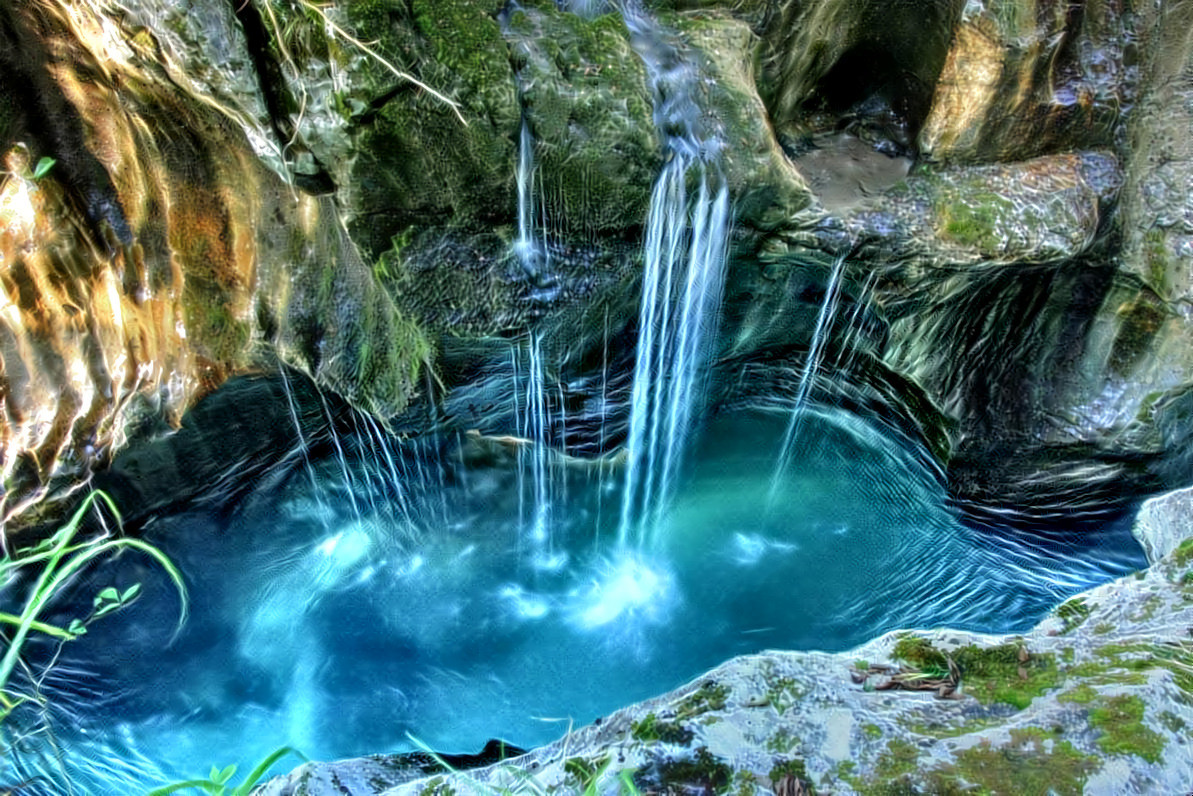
(1024, 79)
(152, 258)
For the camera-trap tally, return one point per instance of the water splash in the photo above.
(828, 309)
(683, 277)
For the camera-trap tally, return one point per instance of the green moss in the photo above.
(794, 769)
(1140, 320)
(1082, 695)
(437, 787)
(213, 327)
(1067, 654)
(1148, 611)
(417, 160)
(1120, 719)
(784, 693)
(782, 742)
(968, 725)
(899, 759)
(918, 651)
(1103, 628)
(709, 696)
(466, 37)
(1032, 763)
(1106, 674)
(976, 219)
(700, 773)
(586, 98)
(1183, 554)
(1073, 613)
(1118, 650)
(1173, 722)
(872, 731)
(990, 674)
(652, 728)
(1156, 260)
(745, 783)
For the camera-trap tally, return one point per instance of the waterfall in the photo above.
(531, 411)
(584, 8)
(526, 247)
(535, 429)
(828, 308)
(683, 263)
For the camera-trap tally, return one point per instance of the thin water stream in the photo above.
(684, 251)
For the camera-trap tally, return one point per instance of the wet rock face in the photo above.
(1023, 79)
(585, 97)
(974, 161)
(152, 258)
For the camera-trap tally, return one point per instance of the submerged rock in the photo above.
(1095, 699)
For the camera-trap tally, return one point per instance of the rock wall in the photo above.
(154, 258)
(966, 159)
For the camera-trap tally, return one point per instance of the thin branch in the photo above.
(455, 106)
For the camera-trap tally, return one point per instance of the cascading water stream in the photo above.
(532, 419)
(684, 256)
(534, 427)
(828, 309)
(526, 247)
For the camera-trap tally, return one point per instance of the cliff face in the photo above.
(155, 257)
(333, 187)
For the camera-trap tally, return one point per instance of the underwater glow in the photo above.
(626, 589)
(428, 614)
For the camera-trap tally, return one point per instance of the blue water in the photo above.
(431, 612)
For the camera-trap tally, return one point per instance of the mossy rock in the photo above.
(767, 189)
(416, 159)
(1006, 673)
(586, 98)
(1034, 761)
(335, 321)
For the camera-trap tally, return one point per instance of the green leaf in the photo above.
(40, 627)
(76, 627)
(130, 594)
(225, 775)
(626, 784)
(247, 786)
(43, 167)
(107, 595)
